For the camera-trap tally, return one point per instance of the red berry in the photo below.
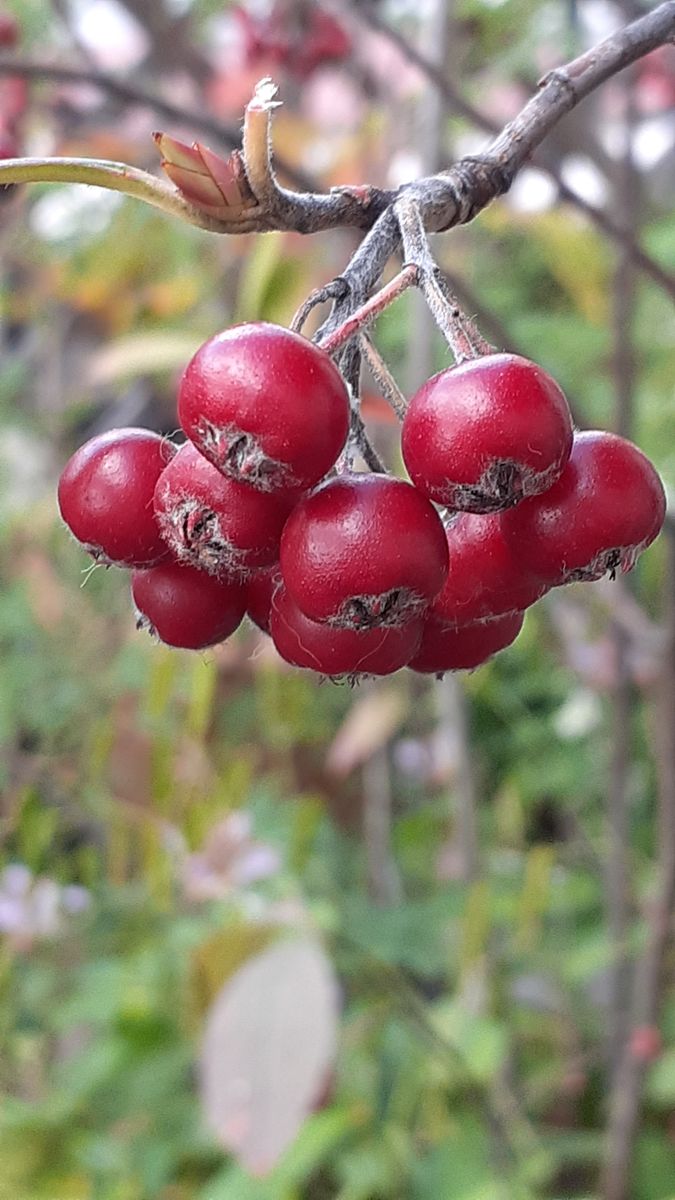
(105, 496)
(485, 578)
(260, 589)
(607, 506)
(184, 607)
(380, 650)
(215, 523)
(482, 435)
(9, 31)
(445, 648)
(266, 406)
(363, 551)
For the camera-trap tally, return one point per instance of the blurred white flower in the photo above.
(579, 715)
(229, 860)
(35, 908)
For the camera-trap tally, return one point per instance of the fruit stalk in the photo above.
(366, 313)
(461, 333)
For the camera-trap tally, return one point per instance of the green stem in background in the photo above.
(116, 177)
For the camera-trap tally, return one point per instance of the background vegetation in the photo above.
(484, 858)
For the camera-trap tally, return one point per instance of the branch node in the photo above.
(560, 77)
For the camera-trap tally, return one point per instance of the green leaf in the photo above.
(660, 1085)
(460, 1166)
(318, 1137)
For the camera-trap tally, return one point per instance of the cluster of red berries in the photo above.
(13, 96)
(357, 573)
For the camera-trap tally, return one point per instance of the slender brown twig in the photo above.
(463, 337)
(618, 872)
(363, 316)
(383, 377)
(457, 195)
(456, 103)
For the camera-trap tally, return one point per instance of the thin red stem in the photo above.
(372, 308)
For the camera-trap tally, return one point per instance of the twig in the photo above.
(456, 196)
(559, 92)
(618, 875)
(383, 377)
(228, 134)
(337, 289)
(456, 103)
(257, 147)
(116, 177)
(363, 316)
(462, 335)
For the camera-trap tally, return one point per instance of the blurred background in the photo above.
(488, 862)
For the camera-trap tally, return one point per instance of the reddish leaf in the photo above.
(216, 185)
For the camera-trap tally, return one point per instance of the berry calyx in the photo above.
(336, 652)
(485, 577)
(483, 435)
(363, 551)
(185, 607)
(606, 508)
(260, 589)
(105, 496)
(446, 648)
(266, 406)
(215, 523)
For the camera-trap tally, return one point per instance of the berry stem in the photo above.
(461, 333)
(372, 308)
(360, 439)
(383, 377)
(337, 289)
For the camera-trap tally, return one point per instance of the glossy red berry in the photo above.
(445, 648)
(265, 406)
(483, 435)
(260, 589)
(606, 508)
(215, 523)
(485, 578)
(363, 551)
(186, 608)
(105, 496)
(379, 650)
